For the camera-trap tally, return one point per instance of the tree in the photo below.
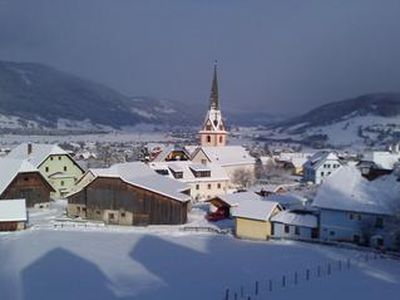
(243, 178)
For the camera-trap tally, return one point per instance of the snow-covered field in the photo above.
(129, 263)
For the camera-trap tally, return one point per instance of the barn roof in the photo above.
(140, 175)
(13, 210)
(9, 168)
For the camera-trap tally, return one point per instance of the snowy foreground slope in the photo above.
(97, 264)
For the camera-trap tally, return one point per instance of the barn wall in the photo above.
(252, 229)
(116, 202)
(29, 186)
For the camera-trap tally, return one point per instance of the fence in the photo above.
(262, 288)
(206, 229)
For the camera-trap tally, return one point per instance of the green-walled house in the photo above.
(55, 164)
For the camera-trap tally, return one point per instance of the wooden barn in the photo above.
(13, 215)
(21, 180)
(130, 194)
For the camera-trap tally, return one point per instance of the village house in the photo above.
(231, 158)
(377, 163)
(321, 165)
(293, 161)
(225, 205)
(205, 181)
(166, 153)
(253, 219)
(56, 165)
(297, 224)
(129, 194)
(21, 180)
(13, 215)
(354, 209)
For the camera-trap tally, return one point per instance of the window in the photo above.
(221, 139)
(111, 216)
(219, 185)
(26, 179)
(379, 222)
(356, 239)
(286, 228)
(359, 217)
(208, 139)
(78, 209)
(65, 168)
(62, 182)
(204, 161)
(84, 209)
(59, 158)
(351, 216)
(123, 215)
(379, 242)
(329, 165)
(332, 233)
(97, 212)
(297, 230)
(209, 186)
(51, 157)
(197, 186)
(46, 169)
(329, 173)
(314, 233)
(322, 173)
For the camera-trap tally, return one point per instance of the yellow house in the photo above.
(55, 164)
(253, 219)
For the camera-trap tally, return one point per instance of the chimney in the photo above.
(29, 148)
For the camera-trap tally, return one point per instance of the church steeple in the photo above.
(214, 101)
(214, 131)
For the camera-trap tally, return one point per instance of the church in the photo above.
(213, 137)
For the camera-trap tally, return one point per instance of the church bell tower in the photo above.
(213, 132)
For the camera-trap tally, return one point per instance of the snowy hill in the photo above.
(369, 120)
(34, 96)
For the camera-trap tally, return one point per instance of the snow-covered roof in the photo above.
(9, 168)
(383, 159)
(235, 199)
(348, 190)
(287, 199)
(13, 210)
(187, 168)
(297, 219)
(167, 150)
(255, 209)
(140, 175)
(228, 155)
(39, 152)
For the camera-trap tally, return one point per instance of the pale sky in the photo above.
(274, 56)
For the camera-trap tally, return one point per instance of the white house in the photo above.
(354, 209)
(230, 158)
(321, 165)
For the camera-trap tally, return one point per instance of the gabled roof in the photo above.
(384, 160)
(256, 210)
(140, 175)
(13, 210)
(348, 190)
(295, 218)
(39, 152)
(236, 199)
(10, 168)
(319, 158)
(227, 155)
(287, 199)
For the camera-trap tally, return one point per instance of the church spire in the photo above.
(214, 101)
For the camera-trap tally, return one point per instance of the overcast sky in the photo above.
(278, 56)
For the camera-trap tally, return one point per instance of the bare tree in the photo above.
(243, 178)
